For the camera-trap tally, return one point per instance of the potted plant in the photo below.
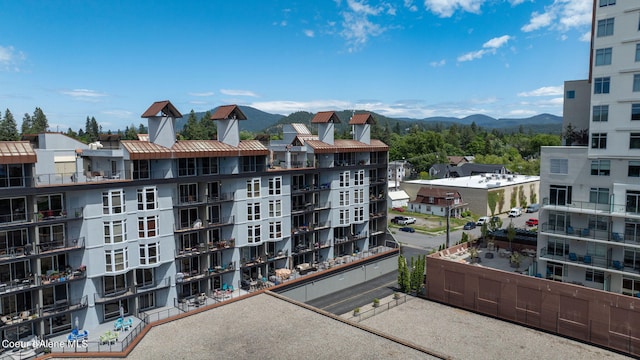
(396, 295)
(356, 311)
(376, 302)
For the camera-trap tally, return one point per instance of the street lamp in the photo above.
(448, 198)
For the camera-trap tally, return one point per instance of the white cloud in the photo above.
(288, 107)
(410, 5)
(122, 114)
(543, 91)
(10, 59)
(497, 42)
(586, 37)
(446, 8)
(440, 63)
(309, 33)
(562, 15)
(489, 47)
(358, 29)
(238, 92)
(363, 8)
(202, 94)
(84, 94)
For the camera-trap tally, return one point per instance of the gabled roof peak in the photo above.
(165, 107)
(361, 119)
(226, 112)
(324, 117)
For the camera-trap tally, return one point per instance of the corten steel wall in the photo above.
(594, 316)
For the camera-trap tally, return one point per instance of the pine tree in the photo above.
(27, 124)
(40, 123)
(191, 129)
(8, 128)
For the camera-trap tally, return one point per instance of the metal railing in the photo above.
(359, 316)
(590, 207)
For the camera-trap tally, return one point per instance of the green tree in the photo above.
(523, 197)
(501, 200)
(492, 201)
(533, 197)
(514, 197)
(495, 223)
(27, 124)
(40, 123)
(8, 128)
(191, 129)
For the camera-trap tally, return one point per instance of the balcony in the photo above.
(206, 248)
(17, 285)
(212, 199)
(587, 233)
(349, 238)
(63, 305)
(60, 246)
(590, 261)
(199, 225)
(129, 291)
(585, 207)
(195, 274)
(57, 276)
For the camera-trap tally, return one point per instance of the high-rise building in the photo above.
(92, 232)
(590, 219)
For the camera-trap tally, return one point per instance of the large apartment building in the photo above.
(91, 231)
(590, 232)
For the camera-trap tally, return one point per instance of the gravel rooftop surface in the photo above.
(265, 327)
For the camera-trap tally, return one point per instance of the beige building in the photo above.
(476, 191)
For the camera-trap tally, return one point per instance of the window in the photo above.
(557, 247)
(147, 199)
(601, 113)
(599, 195)
(600, 167)
(597, 223)
(632, 230)
(599, 140)
(637, 52)
(114, 284)
(359, 180)
(253, 188)
(187, 193)
(603, 57)
(571, 94)
(275, 186)
(116, 260)
(631, 258)
(358, 214)
(275, 208)
(344, 198)
(633, 201)
(605, 27)
(344, 217)
(147, 226)
(149, 253)
(601, 85)
(604, 3)
(275, 230)
(253, 211)
(634, 141)
(187, 167)
(344, 179)
(358, 196)
(596, 276)
(141, 169)
(114, 231)
(209, 166)
(559, 194)
(13, 209)
(630, 286)
(253, 233)
(11, 175)
(559, 166)
(634, 169)
(635, 111)
(144, 277)
(113, 202)
(49, 236)
(636, 82)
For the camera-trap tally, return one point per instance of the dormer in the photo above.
(361, 125)
(326, 127)
(228, 127)
(161, 117)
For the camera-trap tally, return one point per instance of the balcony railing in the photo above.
(588, 233)
(55, 276)
(204, 248)
(198, 224)
(593, 208)
(64, 305)
(131, 291)
(60, 245)
(196, 274)
(220, 197)
(589, 260)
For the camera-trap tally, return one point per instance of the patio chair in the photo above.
(110, 337)
(587, 259)
(585, 232)
(117, 325)
(616, 236)
(569, 230)
(617, 265)
(573, 257)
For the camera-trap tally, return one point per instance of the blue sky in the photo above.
(404, 58)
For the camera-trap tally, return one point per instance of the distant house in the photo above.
(443, 171)
(398, 198)
(397, 171)
(434, 201)
(459, 160)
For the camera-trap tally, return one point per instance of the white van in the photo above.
(515, 212)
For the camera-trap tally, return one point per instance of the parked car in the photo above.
(406, 220)
(398, 209)
(407, 229)
(470, 225)
(533, 208)
(515, 212)
(396, 218)
(482, 220)
(532, 222)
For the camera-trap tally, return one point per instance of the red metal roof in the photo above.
(17, 152)
(342, 146)
(165, 107)
(361, 119)
(324, 117)
(141, 150)
(228, 112)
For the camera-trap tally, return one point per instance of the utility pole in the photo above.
(449, 198)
